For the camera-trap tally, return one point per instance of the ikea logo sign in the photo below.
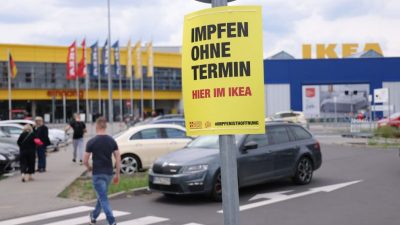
(329, 51)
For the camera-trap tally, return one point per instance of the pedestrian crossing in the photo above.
(65, 216)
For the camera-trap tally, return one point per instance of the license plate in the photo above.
(162, 180)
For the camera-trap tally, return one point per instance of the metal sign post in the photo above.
(228, 149)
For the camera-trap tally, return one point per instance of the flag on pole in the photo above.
(129, 60)
(117, 64)
(105, 59)
(13, 66)
(149, 51)
(138, 64)
(82, 66)
(94, 60)
(71, 62)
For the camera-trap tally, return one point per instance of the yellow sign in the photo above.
(222, 71)
(329, 50)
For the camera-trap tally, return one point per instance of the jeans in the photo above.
(100, 184)
(78, 148)
(41, 153)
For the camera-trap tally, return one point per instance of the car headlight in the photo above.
(195, 168)
(2, 158)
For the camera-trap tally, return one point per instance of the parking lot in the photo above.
(354, 186)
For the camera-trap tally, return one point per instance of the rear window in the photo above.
(278, 134)
(300, 133)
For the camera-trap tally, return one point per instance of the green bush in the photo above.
(387, 132)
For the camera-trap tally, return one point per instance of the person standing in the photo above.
(102, 147)
(79, 129)
(41, 133)
(27, 149)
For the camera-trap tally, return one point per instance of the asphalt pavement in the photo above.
(354, 186)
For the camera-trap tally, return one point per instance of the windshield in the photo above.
(394, 116)
(205, 142)
(211, 141)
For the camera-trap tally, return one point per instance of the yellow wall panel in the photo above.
(58, 54)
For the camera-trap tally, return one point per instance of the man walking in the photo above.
(102, 147)
(79, 128)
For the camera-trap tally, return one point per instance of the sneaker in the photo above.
(92, 219)
(73, 160)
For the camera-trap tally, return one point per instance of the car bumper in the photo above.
(179, 184)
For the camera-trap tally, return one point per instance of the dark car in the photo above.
(177, 121)
(9, 156)
(285, 151)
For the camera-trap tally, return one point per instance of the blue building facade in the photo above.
(298, 72)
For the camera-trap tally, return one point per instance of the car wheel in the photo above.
(130, 164)
(304, 171)
(216, 193)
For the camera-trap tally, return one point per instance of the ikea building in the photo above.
(318, 87)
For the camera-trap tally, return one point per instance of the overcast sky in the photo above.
(286, 24)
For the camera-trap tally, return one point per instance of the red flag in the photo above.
(13, 67)
(82, 67)
(71, 62)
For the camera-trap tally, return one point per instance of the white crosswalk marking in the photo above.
(85, 219)
(144, 221)
(147, 220)
(48, 215)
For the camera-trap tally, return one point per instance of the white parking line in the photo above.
(192, 224)
(144, 221)
(44, 216)
(85, 219)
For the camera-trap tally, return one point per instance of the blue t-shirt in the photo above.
(102, 148)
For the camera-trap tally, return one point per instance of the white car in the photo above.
(13, 128)
(289, 116)
(140, 146)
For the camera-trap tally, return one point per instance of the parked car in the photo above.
(177, 121)
(14, 128)
(7, 138)
(285, 151)
(289, 116)
(5, 161)
(140, 146)
(9, 157)
(393, 121)
(151, 120)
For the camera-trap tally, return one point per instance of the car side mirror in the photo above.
(250, 145)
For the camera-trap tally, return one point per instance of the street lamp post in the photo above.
(110, 97)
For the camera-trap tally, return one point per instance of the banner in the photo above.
(129, 60)
(71, 62)
(222, 71)
(105, 57)
(94, 60)
(117, 64)
(138, 64)
(150, 56)
(311, 101)
(82, 66)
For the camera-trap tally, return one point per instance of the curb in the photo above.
(114, 195)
